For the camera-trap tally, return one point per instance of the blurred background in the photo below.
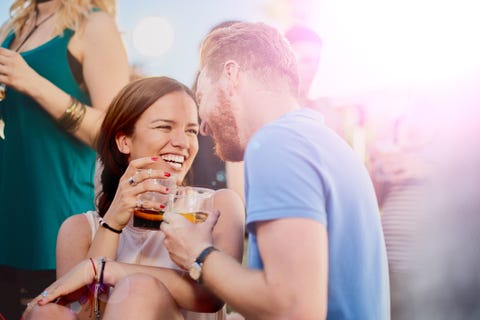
(402, 74)
(367, 45)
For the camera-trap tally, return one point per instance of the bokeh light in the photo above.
(153, 36)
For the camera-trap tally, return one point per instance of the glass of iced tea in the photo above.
(193, 203)
(149, 217)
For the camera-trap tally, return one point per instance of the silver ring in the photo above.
(149, 172)
(44, 293)
(132, 181)
(139, 203)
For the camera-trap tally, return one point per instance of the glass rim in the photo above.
(202, 191)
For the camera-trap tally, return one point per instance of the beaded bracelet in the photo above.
(73, 116)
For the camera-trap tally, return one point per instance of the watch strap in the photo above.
(203, 255)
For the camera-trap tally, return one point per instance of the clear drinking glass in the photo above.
(148, 217)
(193, 203)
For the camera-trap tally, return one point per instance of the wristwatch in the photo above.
(195, 270)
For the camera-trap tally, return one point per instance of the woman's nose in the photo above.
(179, 139)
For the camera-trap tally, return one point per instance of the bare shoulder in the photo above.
(100, 19)
(75, 226)
(225, 193)
(228, 201)
(228, 196)
(98, 29)
(100, 25)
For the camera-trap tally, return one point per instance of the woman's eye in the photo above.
(163, 127)
(193, 131)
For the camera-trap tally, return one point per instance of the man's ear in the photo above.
(123, 142)
(231, 71)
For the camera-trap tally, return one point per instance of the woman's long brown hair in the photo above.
(121, 117)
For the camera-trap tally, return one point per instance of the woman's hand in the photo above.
(137, 179)
(15, 72)
(77, 278)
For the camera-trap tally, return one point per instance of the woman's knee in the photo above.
(141, 293)
(145, 287)
(50, 311)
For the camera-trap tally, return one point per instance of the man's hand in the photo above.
(185, 240)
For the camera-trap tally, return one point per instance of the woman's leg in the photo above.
(141, 296)
(51, 311)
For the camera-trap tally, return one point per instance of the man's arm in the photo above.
(293, 284)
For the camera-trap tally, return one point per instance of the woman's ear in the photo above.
(123, 142)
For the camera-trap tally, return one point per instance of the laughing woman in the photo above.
(152, 123)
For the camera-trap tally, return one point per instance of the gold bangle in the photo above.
(73, 116)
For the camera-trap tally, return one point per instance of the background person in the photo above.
(61, 62)
(341, 117)
(312, 215)
(401, 164)
(153, 123)
(307, 46)
(447, 255)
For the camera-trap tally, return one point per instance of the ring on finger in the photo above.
(139, 203)
(44, 293)
(149, 172)
(132, 181)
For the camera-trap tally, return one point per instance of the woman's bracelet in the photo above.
(99, 289)
(73, 116)
(94, 268)
(106, 226)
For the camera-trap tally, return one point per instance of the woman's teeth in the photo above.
(175, 161)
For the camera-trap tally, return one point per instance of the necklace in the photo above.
(2, 86)
(35, 27)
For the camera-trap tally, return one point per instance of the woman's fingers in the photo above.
(139, 170)
(139, 178)
(46, 296)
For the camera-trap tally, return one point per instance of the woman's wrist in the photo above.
(111, 222)
(105, 268)
(105, 225)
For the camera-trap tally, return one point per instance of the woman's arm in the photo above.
(73, 242)
(72, 249)
(228, 236)
(105, 68)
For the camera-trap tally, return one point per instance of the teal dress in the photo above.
(46, 174)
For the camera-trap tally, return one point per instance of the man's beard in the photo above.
(225, 131)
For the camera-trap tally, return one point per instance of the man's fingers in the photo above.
(212, 218)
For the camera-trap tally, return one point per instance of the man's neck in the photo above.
(266, 107)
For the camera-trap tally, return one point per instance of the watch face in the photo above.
(195, 271)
